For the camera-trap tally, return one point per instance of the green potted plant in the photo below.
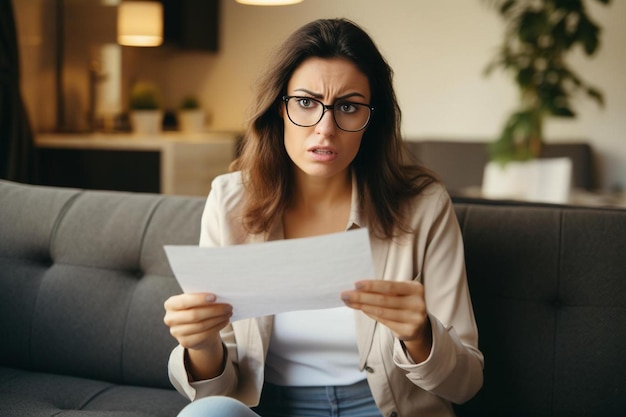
(146, 116)
(539, 34)
(191, 118)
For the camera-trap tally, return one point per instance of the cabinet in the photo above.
(191, 24)
(169, 163)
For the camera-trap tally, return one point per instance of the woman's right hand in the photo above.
(195, 321)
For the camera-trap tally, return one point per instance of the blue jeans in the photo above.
(340, 401)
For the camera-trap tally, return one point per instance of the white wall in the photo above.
(438, 49)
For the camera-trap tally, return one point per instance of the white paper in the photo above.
(273, 277)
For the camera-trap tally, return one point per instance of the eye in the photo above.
(346, 107)
(306, 103)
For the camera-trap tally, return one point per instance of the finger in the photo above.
(211, 325)
(402, 316)
(376, 300)
(389, 294)
(360, 299)
(400, 309)
(405, 324)
(185, 301)
(196, 314)
(389, 287)
(190, 339)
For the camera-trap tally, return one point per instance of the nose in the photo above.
(327, 124)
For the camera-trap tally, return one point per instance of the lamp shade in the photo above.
(140, 23)
(269, 2)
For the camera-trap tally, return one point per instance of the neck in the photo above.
(321, 193)
(319, 206)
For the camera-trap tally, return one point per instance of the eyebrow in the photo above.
(320, 96)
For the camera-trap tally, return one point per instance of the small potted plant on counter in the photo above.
(146, 116)
(191, 117)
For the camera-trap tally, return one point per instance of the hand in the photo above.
(196, 319)
(400, 306)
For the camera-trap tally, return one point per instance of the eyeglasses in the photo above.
(307, 112)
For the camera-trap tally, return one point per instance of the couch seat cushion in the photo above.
(33, 394)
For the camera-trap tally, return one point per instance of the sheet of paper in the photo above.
(278, 276)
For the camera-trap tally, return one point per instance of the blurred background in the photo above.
(438, 49)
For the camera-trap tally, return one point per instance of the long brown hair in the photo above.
(384, 183)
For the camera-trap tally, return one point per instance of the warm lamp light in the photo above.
(269, 2)
(140, 23)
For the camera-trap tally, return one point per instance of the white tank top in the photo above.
(313, 348)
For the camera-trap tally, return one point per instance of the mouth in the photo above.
(323, 151)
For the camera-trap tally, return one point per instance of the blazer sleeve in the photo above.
(215, 231)
(454, 369)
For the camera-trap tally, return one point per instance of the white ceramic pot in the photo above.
(191, 121)
(146, 122)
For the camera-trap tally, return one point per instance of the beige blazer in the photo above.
(433, 255)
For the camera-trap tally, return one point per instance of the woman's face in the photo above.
(324, 150)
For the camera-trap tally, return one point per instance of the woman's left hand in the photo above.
(400, 306)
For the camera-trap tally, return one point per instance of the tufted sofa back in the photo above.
(548, 285)
(83, 278)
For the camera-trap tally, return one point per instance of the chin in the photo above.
(324, 172)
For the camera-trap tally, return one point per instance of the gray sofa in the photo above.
(83, 277)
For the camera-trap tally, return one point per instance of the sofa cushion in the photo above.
(24, 393)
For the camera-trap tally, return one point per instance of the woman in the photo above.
(323, 154)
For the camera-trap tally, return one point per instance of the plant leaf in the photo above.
(531, 25)
(588, 34)
(569, 5)
(506, 6)
(562, 112)
(596, 95)
(525, 76)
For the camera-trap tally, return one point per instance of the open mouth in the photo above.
(323, 152)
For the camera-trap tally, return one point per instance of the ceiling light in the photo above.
(140, 23)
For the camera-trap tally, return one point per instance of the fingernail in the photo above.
(210, 298)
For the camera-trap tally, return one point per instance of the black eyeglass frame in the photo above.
(326, 107)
